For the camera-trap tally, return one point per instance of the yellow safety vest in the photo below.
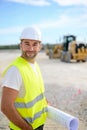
(33, 106)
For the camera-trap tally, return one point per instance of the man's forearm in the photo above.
(15, 117)
(7, 107)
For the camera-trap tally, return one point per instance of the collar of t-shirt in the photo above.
(34, 68)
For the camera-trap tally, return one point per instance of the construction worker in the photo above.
(23, 100)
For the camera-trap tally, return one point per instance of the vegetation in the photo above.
(4, 47)
(49, 46)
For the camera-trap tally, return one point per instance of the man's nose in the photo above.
(31, 48)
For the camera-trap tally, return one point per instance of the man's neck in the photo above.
(29, 60)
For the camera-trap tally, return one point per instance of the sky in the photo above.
(55, 18)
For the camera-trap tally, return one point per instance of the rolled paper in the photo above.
(65, 119)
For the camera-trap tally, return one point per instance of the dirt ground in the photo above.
(65, 84)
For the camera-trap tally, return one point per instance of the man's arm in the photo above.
(7, 107)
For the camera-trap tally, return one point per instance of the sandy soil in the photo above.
(65, 84)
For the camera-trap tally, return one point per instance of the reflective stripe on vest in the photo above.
(29, 104)
(37, 115)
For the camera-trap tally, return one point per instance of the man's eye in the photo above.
(35, 44)
(27, 44)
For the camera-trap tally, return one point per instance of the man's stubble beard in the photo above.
(29, 56)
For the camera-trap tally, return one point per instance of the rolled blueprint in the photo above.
(67, 120)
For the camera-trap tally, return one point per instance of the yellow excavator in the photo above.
(73, 50)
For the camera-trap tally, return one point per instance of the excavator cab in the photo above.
(66, 40)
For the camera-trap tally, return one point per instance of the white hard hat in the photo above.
(32, 33)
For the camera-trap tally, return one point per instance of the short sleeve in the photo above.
(12, 79)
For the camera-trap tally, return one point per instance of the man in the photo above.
(23, 100)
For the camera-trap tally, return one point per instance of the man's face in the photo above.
(30, 48)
